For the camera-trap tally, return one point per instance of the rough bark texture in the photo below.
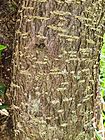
(56, 68)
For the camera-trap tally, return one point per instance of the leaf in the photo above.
(2, 89)
(98, 136)
(4, 106)
(2, 47)
(102, 70)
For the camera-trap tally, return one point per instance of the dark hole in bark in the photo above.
(41, 45)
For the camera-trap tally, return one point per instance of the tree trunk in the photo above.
(55, 70)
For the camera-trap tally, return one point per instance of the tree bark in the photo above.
(55, 69)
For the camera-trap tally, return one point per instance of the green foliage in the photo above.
(4, 106)
(2, 89)
(98, 136)
(12, 7)
(2, 47)
(103, 115)
(2, 94)
(102, 70)
(102, 82)
(2, 86)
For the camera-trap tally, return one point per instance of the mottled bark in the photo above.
(56, 68)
